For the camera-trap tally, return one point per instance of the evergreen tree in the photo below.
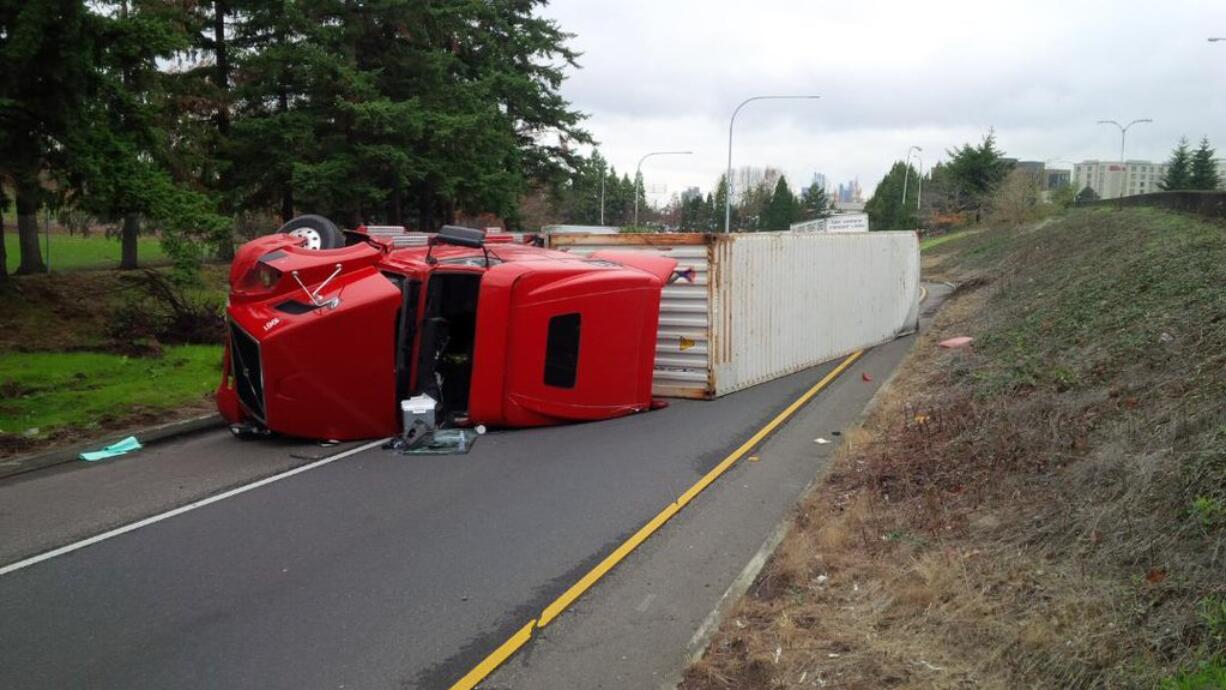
(458, 111)
(1204, 173)
(4, 257)
(721, 209)
(46, 77)
(1179, 169)
(1085, 195)
(974, 173)
(117, 154)
(814, 203)
(781, 211)
(886, 209)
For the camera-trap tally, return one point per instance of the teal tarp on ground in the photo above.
(127, 445)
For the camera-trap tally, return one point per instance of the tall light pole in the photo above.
(906, 164)
(637, 179)
(731, 122)
(919, 182)
(1123, 136)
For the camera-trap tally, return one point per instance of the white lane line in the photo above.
(47, 555)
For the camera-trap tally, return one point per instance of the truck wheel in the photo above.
(319, 232)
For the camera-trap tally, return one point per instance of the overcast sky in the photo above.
(666, 75)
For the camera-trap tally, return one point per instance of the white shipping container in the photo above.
(752, 307)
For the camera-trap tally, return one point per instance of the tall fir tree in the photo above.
(47, 74)
(887, 209)
(1178, 169)
(975, 172)
(117, 155)
(780, 211)
(1204, 173)
(814, 203)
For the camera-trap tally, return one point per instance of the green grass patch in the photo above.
(1208, 675)
(74, 252)
(51, 391)
(1100, 292)
(937, 241)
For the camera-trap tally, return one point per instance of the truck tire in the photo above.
(317, 231)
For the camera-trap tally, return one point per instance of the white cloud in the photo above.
(666, 75)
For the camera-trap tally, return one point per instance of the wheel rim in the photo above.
(313, 239)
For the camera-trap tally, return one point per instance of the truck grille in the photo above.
(248, 376)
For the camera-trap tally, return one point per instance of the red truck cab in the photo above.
(325, 343)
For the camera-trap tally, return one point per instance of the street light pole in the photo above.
(728, 177)
(637, 180)
(919, 182)
(1123, 135)
(906, 164)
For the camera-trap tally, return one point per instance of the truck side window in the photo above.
(562, 351)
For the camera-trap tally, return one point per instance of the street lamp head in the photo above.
(1215, 39)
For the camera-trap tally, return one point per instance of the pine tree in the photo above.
(1204, 173)
(1085, 195)
(46, 77)
(723, 215)
(780, 212)
(4, 258)
(976, 172)
(886, 209)
(117, 155)
(814, 203)
(1179, 169)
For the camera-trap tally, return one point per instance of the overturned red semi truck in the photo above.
(328, 331)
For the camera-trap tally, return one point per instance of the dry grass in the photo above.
(1038, 512)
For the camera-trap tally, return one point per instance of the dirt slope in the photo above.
(1047, 509)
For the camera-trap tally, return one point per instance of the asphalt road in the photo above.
(374, 571)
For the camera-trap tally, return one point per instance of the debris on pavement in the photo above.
(953, 343)
(821, 441)
(118, 448)
(436, 442)
(866, 376)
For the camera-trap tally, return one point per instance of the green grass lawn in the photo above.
(51, 391)
(72, 252)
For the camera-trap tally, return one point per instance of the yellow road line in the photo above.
(555, 609)
(491, 662)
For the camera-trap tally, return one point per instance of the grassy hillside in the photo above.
(86, 351)
(1047, 509)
